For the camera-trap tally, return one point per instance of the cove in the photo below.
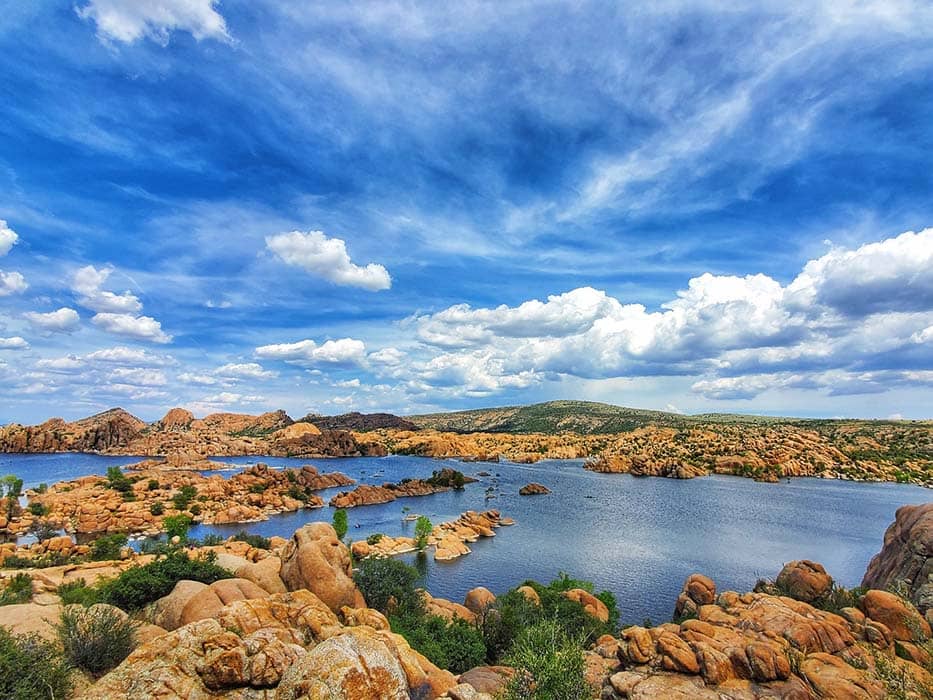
(637, 537)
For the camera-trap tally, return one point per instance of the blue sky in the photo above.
(415, 206)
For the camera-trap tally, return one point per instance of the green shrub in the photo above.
(374, 538)
(549, 665)
(153, 485)
(212, 540)
(107, 547)
(78, 593)
(340, 523)
(157, 508)
(137, 587)
(31, 668)
(177, 526)
(18, 590)
(297, 493)
(423, 529)
(195, 509)
(43, 562)
(183, 498)
(117, 480)
(258, 488)
(95, 639)
(37, 509)
(257, 541)
(42, 488)
(383, 578)
(43, 530)
(453, 645)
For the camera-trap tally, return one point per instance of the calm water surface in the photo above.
(638, 537)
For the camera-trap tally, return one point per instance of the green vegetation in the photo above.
(11, 488)
(31, 668)
(17, 590)
(545, 641)
(375, 538)
(340, 523)
(156, 508)
(43, 530)
(37, 509)
(183, 498)
(177, 526)
(549, 665)
(153, 485)
(137, 587)
(118, 481)
(257, 541)
(423, 529)
(78, 593)
(95, 639)
(108, 547)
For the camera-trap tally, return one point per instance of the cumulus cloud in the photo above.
(12, 283)
(65, 365)
(138, 376)
(846, 310)
(227, 398)
(327, 258)
(139, 327)
(8, 238)
(895, 274)
(344, 351)
(123, 355)
(64, 320)
(129, 20)
(247, 370)
(14, 343)
(88, 282)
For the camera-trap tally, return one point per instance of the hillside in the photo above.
(583, 417)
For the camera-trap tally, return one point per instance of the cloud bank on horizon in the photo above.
(387, 206)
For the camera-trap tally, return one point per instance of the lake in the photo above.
(638, 537)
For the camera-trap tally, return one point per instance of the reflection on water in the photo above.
(638, 537)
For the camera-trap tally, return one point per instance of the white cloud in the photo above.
(122, 355)
(895, 274)
(227, 398)
(140, 327)
(327, 258)
(307, 352)
(129, 20)
(66, 365)
(138, 376)
(64, 320)
(248, 370)
(14, 343)
(12, 283)
(200, 379)
(88, 282)
(8, 238)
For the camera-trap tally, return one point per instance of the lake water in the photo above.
(638, 537)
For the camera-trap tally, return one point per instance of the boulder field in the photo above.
(292, 625)
(90, 505)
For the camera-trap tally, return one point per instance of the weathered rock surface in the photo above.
(907, 556)
(804, 580)
(533, 489)
(289, 645)
(314, 559)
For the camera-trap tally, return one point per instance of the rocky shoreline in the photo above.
(292, 624)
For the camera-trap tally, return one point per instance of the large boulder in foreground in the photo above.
(906, 559)
(315, 560)
(289, 646)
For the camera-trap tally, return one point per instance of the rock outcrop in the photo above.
(758, 645)
(316, 560)
(906, 559)
(804, 580)
(286, 646)
(533, 489)
(89, 505)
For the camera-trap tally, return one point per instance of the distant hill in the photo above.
(361, 422)
(584, 417)
(587, 418)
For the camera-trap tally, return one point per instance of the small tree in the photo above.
(11, 488)
(423, 529)
(341, 524)
(177, 526)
